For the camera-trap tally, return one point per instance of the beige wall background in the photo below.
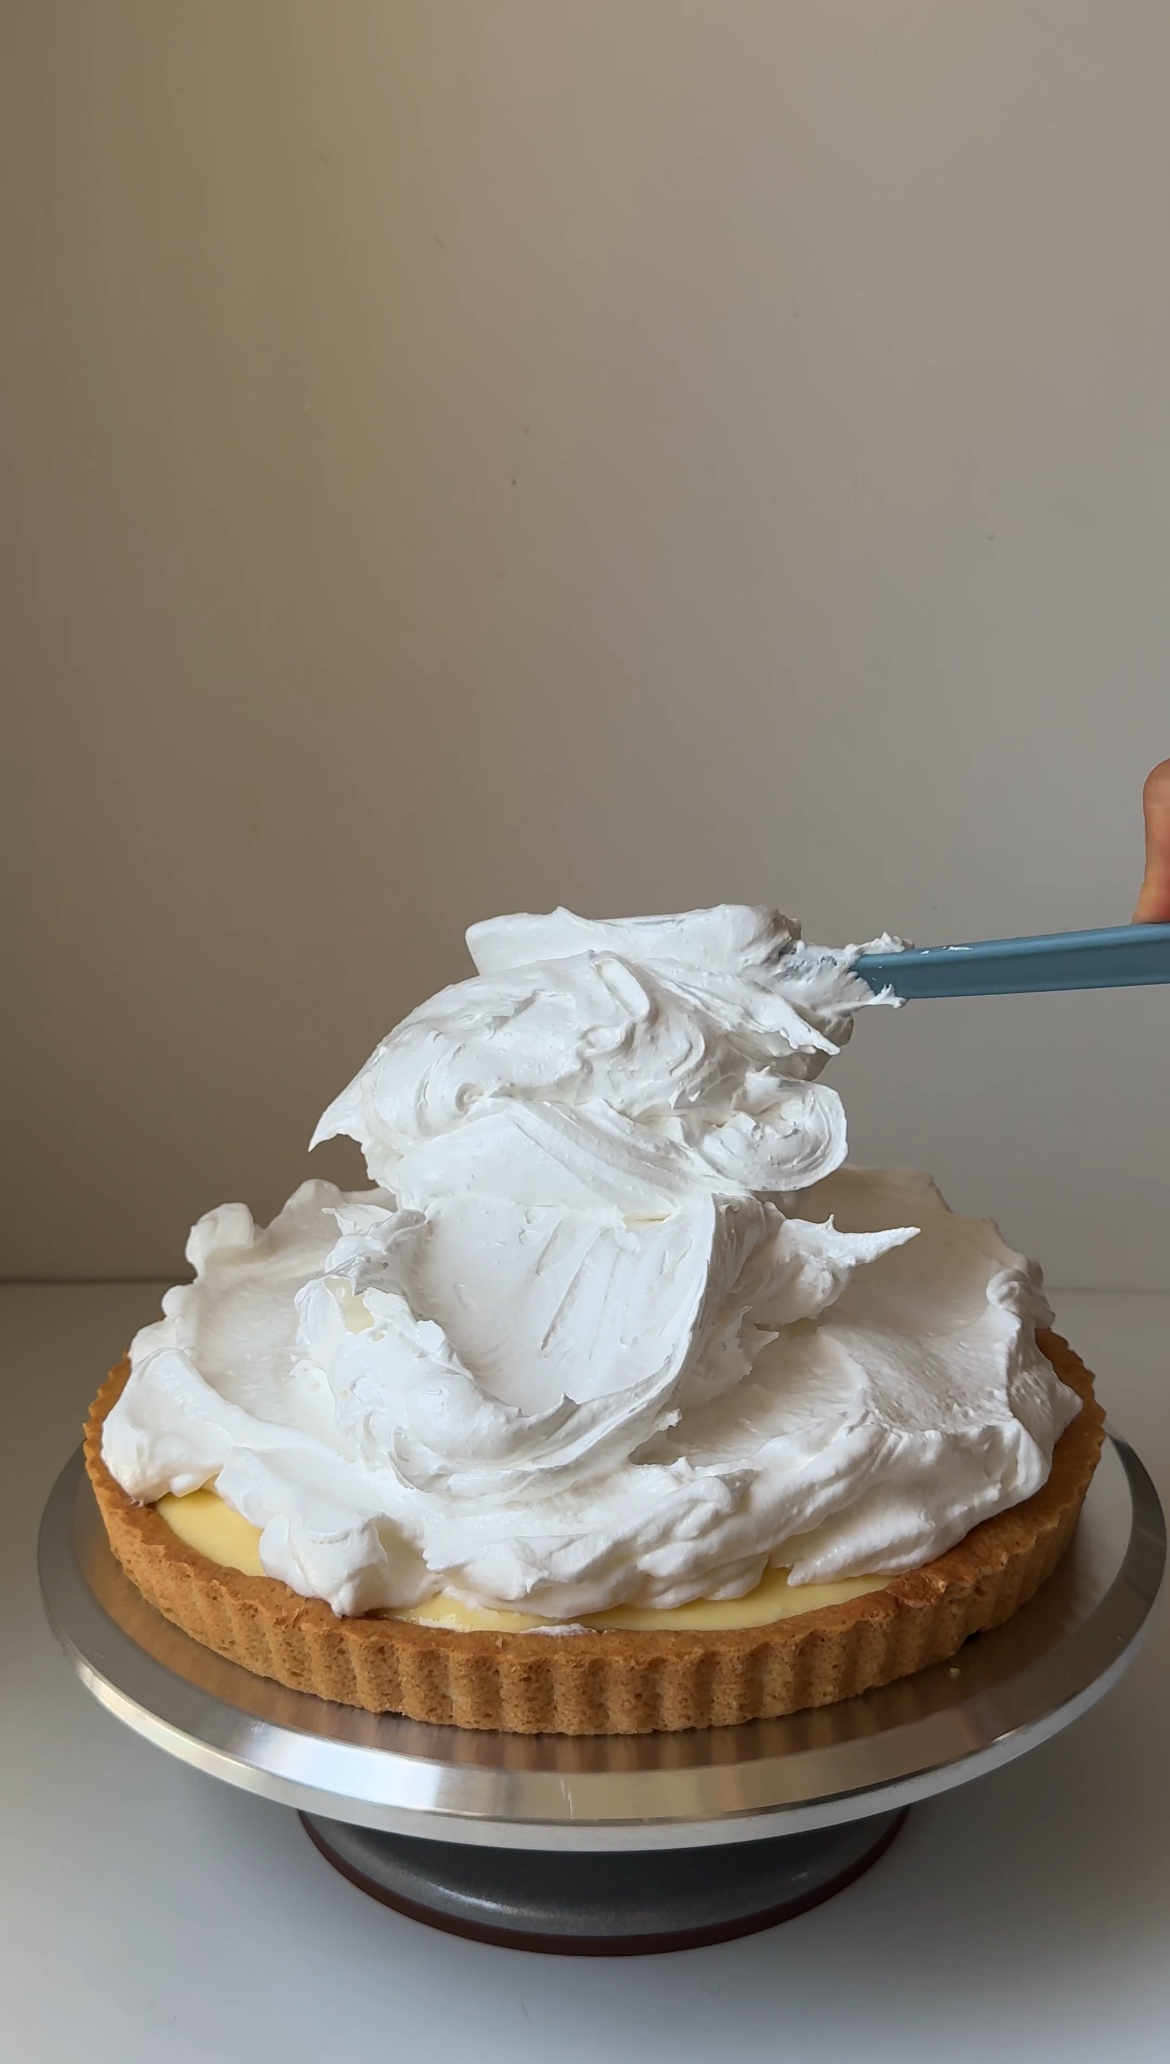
(473, 454)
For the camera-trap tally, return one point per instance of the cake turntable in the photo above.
(616, 1845)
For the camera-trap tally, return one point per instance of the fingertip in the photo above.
(1153, 905)
(1156, 791)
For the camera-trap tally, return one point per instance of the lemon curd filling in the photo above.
(206, 1523)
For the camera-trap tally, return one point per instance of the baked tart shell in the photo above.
(611, 1681)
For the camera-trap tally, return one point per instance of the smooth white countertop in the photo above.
(148, 1912)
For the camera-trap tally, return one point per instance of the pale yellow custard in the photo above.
(203, 1521)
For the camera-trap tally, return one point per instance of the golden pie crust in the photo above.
(611, 1681)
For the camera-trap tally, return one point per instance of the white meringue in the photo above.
(614, 1328)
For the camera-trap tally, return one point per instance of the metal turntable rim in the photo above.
(1006, 1692)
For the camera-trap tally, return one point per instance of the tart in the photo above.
(610, 1681)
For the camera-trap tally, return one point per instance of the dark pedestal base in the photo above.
(604, 1903)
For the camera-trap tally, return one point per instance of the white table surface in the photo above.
(149, 1912)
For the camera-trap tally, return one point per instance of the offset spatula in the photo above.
(1120, 957)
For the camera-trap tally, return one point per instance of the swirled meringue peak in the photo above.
(614, 1326)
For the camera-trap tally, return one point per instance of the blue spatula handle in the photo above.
(1119, 957)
